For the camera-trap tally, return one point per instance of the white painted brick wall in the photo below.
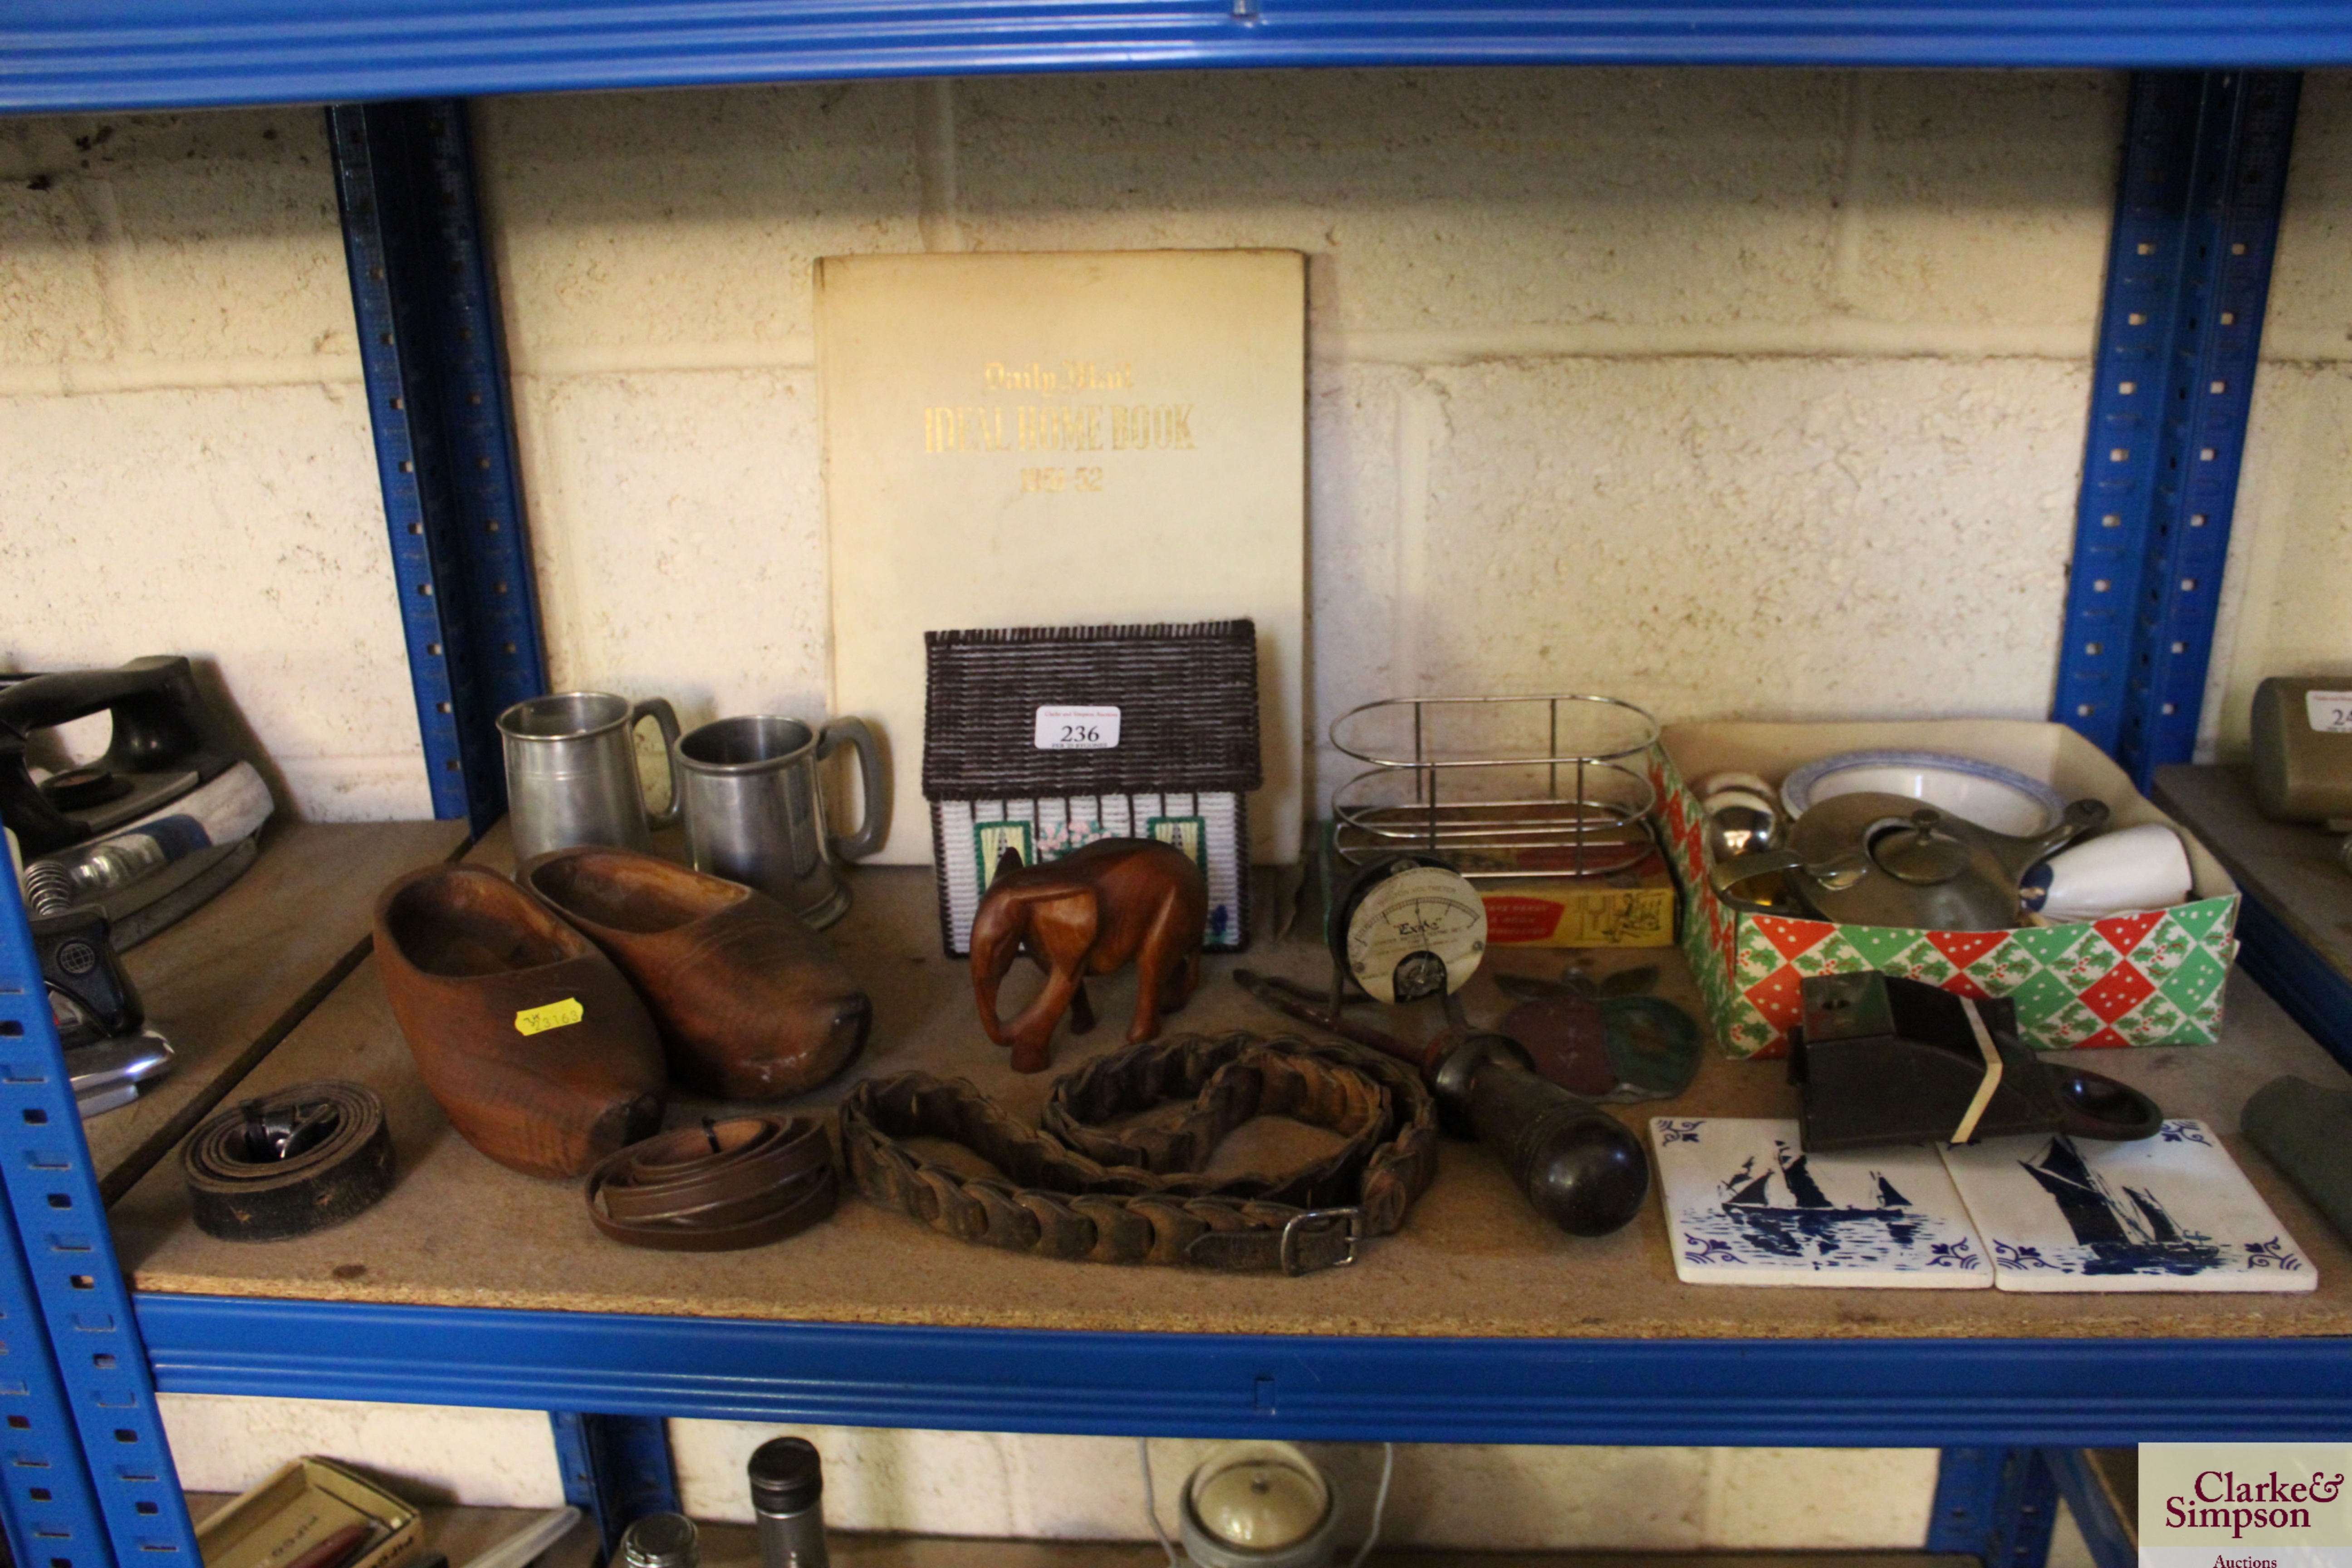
(1594, 304)
(1571, 335)
(1489, 1497)
(653, 251)
(428, 1453)
(184, 458)
(1746, 392)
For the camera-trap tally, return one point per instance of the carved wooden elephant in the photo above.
(1116, 901)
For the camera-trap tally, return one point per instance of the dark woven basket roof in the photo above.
(1187, 697)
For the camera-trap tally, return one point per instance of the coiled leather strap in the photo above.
(288, 1163)
(1137, 1194)
(723, 1185)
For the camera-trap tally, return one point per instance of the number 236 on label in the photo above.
(1075, 728)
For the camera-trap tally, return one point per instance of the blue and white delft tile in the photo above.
(1745, 1205)
(2168, 1213)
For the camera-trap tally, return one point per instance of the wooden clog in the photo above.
(751, 1002)
(534, 1045)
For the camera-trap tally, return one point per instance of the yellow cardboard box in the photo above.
(1633, 906)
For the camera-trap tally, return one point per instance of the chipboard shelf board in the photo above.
(1479, 1320)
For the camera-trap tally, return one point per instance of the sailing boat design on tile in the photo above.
(1748, 1206)
(2132, 1233)
(1810, 1220)
(2169, 1213)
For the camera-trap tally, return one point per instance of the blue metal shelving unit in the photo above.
(1834, 1394)
(88, 1477)
(135, 54)
(2188, 269)
(426, 308)
(437, 398)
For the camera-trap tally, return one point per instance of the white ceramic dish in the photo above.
(1983, 792)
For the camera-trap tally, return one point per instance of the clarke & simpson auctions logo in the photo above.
(2244, 1505)
(2203, 1510)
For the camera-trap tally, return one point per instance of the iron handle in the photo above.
(1579, 1166)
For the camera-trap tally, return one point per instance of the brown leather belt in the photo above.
(1137, 1194)
(288, 1163)
(723, 1185)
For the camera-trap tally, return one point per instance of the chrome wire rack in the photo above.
(1504, 787)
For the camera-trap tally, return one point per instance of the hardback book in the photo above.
(1080, 439)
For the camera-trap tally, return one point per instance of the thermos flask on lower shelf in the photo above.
(788, 1498)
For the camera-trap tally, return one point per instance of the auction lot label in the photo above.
(2245, 1505)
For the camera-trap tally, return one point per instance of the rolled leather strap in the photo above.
(718, 1187)
(288, 1163)
(1138, 1195)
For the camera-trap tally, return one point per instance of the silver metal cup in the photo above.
(755, 808)
(572, 770)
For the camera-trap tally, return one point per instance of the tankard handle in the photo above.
(665, 718)
(872, 782)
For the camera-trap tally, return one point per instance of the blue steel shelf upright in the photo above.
(437, 401)
(87, 1480)
(2189, 266)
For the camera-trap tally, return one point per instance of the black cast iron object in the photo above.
(164, 743)
(1880, 1059)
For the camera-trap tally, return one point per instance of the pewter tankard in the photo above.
(572, 770)
(755, 810)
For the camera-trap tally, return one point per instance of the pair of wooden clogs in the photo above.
(548, 1015)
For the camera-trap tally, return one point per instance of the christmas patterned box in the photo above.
(2140, 979)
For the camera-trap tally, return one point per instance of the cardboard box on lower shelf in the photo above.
(290, 1516)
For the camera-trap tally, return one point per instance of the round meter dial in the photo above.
(1411, 929)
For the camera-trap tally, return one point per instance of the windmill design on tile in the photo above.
(2133, 1233)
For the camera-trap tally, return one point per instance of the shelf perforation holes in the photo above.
(88, 1307)
(26, 1439)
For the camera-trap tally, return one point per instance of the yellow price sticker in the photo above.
(554, 1015)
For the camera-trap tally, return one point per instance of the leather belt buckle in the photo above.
(1318, 1224)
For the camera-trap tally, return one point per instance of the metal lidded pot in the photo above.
(661, 1541)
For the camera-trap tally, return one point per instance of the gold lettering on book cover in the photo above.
(1040, 427)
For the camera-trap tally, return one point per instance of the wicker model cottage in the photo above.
(1041, 740)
